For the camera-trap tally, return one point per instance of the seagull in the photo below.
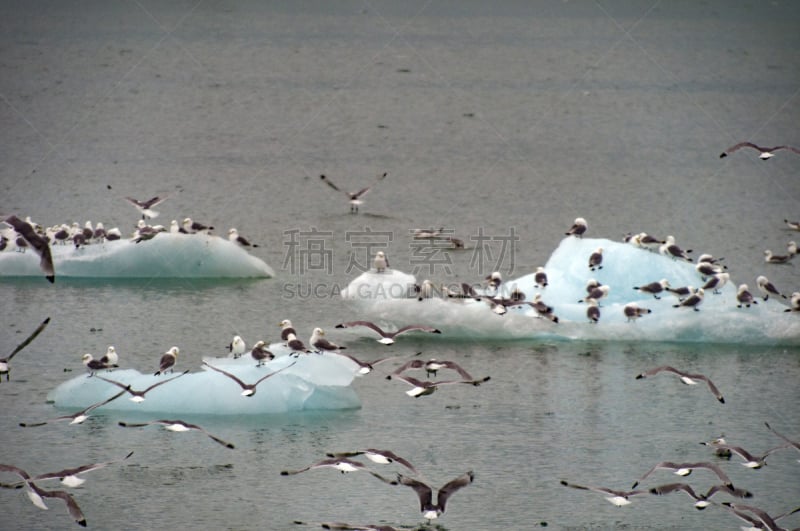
(78, 417)
(319, 342)
(776, 259)
(794, 225)
(762, 520)
(794, 444)
(750, 460)
(686, 378)
(684, 469)
(596, 259)
(540, 277)
(260, 354)
(669, 248)
(766, 153)
(4, 367)
(421, 388)
(387, 338)
(692, 301)
(382, 457)
(247, 389)
(653, 288)
(632, 311)
(69, 476)
(767, 288)
(286, 329)
(233, 235)
(380, 262)
(429, 509)
(295, 344)
(111, 357)
(177, 425)
(366, 367)
(138, 396)
(681, 292)
(168, 361)
(432, 366)
(355, 197)
(717, 444)
(72, 506)
(542, 309)
(744, 297)
(34, 496)
(715, 282)
(617, 497)
(237, 347)
(192, 227)
(342, 464)
(145, 206)
(93, 364)
(701, 500)
(794, 303)
(593, 310)
(578, 227)
(38, 243)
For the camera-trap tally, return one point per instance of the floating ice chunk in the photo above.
(315, 381)
(165, 256)
(624, 266)
(374, 286)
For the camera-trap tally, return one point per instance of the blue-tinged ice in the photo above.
(165, 256)
(386, 300)
(314, 382)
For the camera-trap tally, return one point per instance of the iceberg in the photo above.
(165, 256)
(386, 298)
(307, 382)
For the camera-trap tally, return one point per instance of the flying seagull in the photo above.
(766, 153)
(355, 197)
(615, 497)
(387, 338)
(685, 377)
(137, 396)
(420, 388)
(429, 509)
(684, 469)
(78, 417)
(382, 457)
(247, 389)
(342, 464)
(177, 425)
(145, 206)
(38, 243)
(4, 367)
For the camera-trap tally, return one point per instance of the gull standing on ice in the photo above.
(596, 259)
(94, 365)
(380, 262)
(632, 311)
(261, 354)
(168, 361)
(692, 301)
(578, 228)
(669, 248)
(716, 281)
(540, 278)
(233, 235)
(794, 303)
(237, 347)
(653, 288)
(767, 288)
(193, 227)
(4, 367)
(765, 153)
(286, 329)
(354, 197)
(319, 342)
(111, 357)
(685, 377)
(744, 297)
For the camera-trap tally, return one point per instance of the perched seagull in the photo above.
(686, 378)
(319, 342)
(4, 367)
(744, 297)
(168, 361)
(692, 301)
(113, 234)
(432, 366)
(767, 288)
(421, 388)
(596, 294)
(647, 241)
(110, 357)
(380, 262)
(76, 418)
(596, 259)
(616, 497)
(776, 259)
(387, 338)
(495, 279)
(342, 464)
(37, 242)
(296, 345)
(701, 500)
(431, 510)
(138, 396)
(177, 425)
(791, 248)
(543, 310)
(94, 365)
(681, 292)
(653, 288)
(540, 278)
(286, 329)
(99, 231)
(578, 228)
(632, 311)
(354, 197)
(715, 282)
(192, 227)
(233, 235)
(669, 248)
(237, 347)
(794, 225)
(144, 207)
(247, 389)
(593, 310)
(684, 469)
(260, 354)
(766, 153)
(382, 457)
(794, 303)
(426, 290)
(69, 476)
(750, 460)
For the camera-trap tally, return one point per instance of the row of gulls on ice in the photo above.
(757, 517)
(430, 509)
(69, 477)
